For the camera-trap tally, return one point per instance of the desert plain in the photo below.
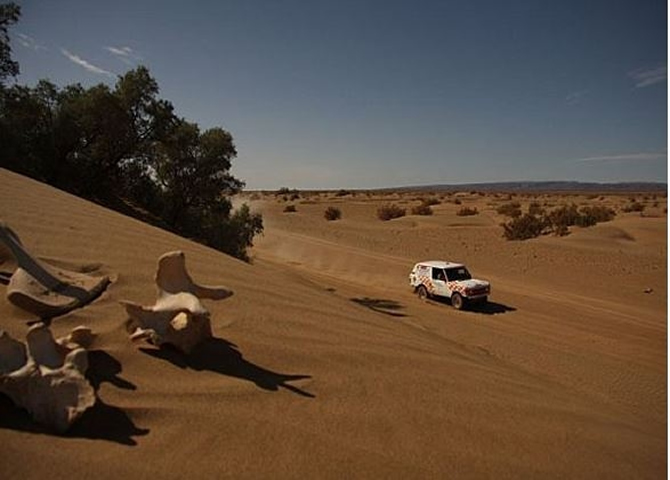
(325, 364)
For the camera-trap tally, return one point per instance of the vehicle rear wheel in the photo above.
(422, 292)
(457, 301)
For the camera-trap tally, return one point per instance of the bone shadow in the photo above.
(100, 422)
(221, 356)
(381, 305)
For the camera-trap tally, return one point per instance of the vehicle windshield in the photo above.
(456, 274)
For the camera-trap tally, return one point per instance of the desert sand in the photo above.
(325, 365)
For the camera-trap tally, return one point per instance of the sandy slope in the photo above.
(325, 365)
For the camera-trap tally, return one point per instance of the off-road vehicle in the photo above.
(437, 278)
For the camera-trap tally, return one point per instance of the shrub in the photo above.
(597, 213)
(342, 193)
(457, 201)
(510, 209)
(466, 212)
(332, 213)
(633, 207)
(523, 228)
(429, 202)
(290, 209)
(234, 234)
(422, 209)
(535, 209)
(564, 216)
(390, 211)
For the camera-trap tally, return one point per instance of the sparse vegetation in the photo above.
(597, 213)
(332, 213)
(512, 209)
(534, 208)
(558, 221)
(422, 209)
(290, 209)
(524, 227)
(467, 211)
(390, 211)
(430, 201)
(633, 207)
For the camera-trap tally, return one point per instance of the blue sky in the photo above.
(367, 94)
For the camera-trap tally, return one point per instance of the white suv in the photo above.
(450, 280)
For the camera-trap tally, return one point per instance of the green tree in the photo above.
(193, 169)
(9, 15)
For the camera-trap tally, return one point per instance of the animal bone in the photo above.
(45, 290)
(46, 378)
(178, 317)
(179, 320)
(172, 277)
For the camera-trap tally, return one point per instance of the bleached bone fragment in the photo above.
(178, 317)
(179, 320)
(172, 277)
(45, 378)
(44, 290)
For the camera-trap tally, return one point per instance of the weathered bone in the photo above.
(46, 378)
(178, 318)
(172, 277)
(45, 290)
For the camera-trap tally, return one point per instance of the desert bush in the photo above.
(633, 207)
(290, 209)
(332, 213)
(564, 216)
(597, 213)
(535, 208)
(457, 201)
(512, 209)
(524, 227)
(342, 193)
(390, 211)
(467, 211)
(233, 234)
(422, 209)
(429, 202)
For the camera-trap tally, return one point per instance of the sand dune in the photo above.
(324, 364)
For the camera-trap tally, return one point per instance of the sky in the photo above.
(371, 94)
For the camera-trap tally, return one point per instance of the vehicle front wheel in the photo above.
(422, 292)
(457, 301)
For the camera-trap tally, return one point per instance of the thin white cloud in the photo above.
(84, 64)
(29, 42)
(575, 97)
(644, 77)
(626, 157)
(126, 54)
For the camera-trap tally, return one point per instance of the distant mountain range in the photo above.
(561, 186)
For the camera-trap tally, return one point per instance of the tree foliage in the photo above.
(9, 15)
(125, 146)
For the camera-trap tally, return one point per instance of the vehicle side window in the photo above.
(438, 274)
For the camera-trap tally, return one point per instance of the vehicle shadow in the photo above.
(100, 422)
(486, 308)
(380, 305)
(490, 308)
(221, 356)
